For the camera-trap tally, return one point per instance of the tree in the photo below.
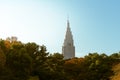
(55, 65)
(39, 62)
(98, 66)
(114, 58)
(19, 62)
(32, 49)
(73, 68)
(3, 46)
(116, 70)
(2, 58)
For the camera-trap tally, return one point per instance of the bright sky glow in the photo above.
(95, 24)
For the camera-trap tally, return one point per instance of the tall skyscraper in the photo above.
(68, 48)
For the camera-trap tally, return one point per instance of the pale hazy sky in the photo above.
(95, 24)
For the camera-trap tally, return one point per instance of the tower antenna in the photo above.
(67, 17)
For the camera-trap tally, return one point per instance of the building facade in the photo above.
(68, 48)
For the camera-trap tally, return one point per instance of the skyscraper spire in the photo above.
(68, 36)
(68, 48)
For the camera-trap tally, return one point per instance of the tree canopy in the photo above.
(21, 61)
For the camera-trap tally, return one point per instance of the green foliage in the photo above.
(55, 64)
(33, 78)
(98, 65)
(19, 61)
(2, 58)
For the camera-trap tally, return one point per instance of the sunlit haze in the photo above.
(95, 24)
